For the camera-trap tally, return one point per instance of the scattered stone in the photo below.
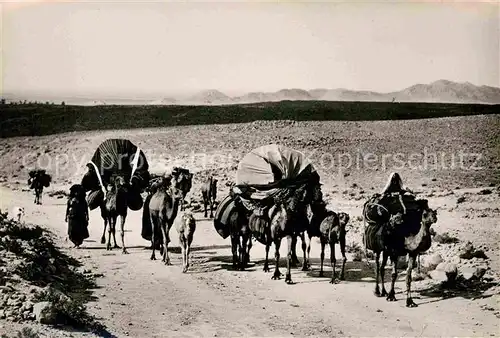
(431, 261)
(44, 312)
(438, 275)
(485, 192)
(461, 199)
(469, 252)
(470, 273)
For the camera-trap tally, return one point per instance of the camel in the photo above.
(288, 218)
(115, 205)
(209, 193)
(163, 208)
(404, 233)
(333, 230)
(37, 186)
(37, 181)
(186, 228)
(77, 215)
(241, 235)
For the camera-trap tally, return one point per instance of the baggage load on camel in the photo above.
(95, 198)
(379, 207)
(117, 157)
(40, 175)
(272, 171)
(222, 215)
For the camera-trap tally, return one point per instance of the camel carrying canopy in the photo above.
(264, 171)
(116, 157)
(266, 176)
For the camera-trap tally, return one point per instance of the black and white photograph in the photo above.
(249, 168)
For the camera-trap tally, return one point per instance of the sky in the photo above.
(140, 48)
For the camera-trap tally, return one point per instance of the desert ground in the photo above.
(142, 298)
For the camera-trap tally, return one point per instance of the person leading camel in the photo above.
(77, 215)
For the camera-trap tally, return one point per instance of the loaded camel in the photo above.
(186, 228)
(288, 218)
(37, 181)
(241, 235)
(394, 228)
(209, 193)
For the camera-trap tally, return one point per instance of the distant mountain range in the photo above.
(442, 91)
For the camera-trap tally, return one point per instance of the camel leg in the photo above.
(385, 256)
(322, 257)
(153, 239)
(249, 246)
(344, 258)
(305, 265)
(243, 252)
(266, 263)
(110, 230)
(211, 209)
(188, 249)
(122, 233)
(165, 230)
(418, 264)
(288, 276)
(309, 252)
(205, 207)
(333, 261)
(234, 250)
(391, 297)
(377, 275)
(295, 260)
(409, 300)
(277, 273)
(103, 238)
(182, 244)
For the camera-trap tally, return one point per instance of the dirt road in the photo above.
(143, 298)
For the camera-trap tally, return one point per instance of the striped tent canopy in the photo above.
(116, 157)
(271, 170)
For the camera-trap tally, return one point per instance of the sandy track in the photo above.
(143, 298)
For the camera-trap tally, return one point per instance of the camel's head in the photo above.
(177, 186)
(117, 183)
(343, 220)
(429, 216)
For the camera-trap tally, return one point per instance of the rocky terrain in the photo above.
(457, 289)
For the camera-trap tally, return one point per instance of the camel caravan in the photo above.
(276, 195)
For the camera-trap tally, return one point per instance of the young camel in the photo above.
(333, 230)
(186, 228)
(116, 205)
(209, 193)
(163, 209)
